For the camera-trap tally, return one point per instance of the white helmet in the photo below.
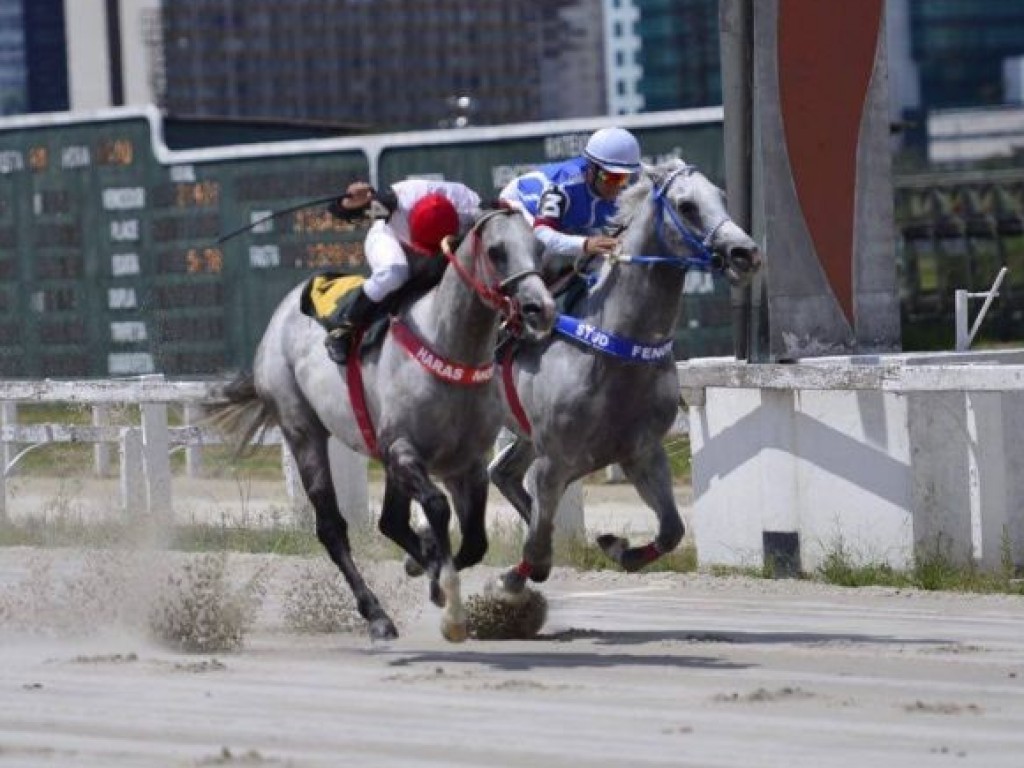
(614, 149)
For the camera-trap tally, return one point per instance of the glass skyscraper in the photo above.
(679, 54)
(33, 57)
(959, 47)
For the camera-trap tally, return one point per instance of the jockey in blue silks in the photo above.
(570, 203)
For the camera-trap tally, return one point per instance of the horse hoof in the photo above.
(613, 546)
(509, 586)
(454, 631)
(412, 568)
(437, 594)
(382, 630)
(495, 591)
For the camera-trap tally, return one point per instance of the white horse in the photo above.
(603, 389)
(432, 406)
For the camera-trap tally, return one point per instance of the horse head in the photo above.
(499, 260)
(691, 219)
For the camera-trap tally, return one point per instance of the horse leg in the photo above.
(549, 486)
(469, 496)
(507, 471)
(309, 447)
(407, 469)
(652, 477)
(420, 548)
(394, 522)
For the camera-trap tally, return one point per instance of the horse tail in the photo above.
(242, 416)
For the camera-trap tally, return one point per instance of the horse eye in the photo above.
(689, 209)
(497, 255)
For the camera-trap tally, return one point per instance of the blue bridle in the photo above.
(701, 255)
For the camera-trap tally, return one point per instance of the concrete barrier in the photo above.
(882, 458)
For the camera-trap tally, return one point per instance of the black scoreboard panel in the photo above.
(109, 260)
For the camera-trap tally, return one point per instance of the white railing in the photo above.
(144, 448)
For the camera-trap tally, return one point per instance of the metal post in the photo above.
(962, 340)
(965, 338)
(737, 46)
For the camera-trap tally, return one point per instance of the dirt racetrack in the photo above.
(648, 670)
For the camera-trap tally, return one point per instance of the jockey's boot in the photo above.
(339, 337)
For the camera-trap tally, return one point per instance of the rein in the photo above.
(494, 293)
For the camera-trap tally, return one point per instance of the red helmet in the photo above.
(431, 220)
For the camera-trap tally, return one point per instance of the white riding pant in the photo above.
(387, 260)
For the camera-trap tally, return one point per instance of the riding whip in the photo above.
(275, 214)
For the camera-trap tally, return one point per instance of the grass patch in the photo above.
(933, 570)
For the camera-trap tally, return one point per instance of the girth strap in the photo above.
(357, 395)
(515, 405)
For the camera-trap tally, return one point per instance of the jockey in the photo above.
(570, 202)
(414, 215)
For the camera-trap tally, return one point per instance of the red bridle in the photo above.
(493, 289)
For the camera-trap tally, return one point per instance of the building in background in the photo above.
(960, 46)
(951, 61)
(622, 57)
(398, 64)
(33, 57)
(679, 58)
(114, 53)
(13, 90)
(405, 64)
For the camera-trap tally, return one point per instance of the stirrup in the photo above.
(337, 343)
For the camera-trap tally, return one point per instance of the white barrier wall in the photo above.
(880, 458)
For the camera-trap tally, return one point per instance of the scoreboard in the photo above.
(109, 260)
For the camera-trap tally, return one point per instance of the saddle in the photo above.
(327, 296)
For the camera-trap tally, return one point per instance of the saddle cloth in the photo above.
(326, 298)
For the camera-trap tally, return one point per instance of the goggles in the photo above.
(611, 178)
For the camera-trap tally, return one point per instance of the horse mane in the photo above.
(635, 195)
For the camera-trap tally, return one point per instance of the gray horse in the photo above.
(603, 389)
(432, 401)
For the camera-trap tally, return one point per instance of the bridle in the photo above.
(492, 289)
(700, 254)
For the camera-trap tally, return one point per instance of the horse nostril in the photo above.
(744, 259)
(538, 315)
